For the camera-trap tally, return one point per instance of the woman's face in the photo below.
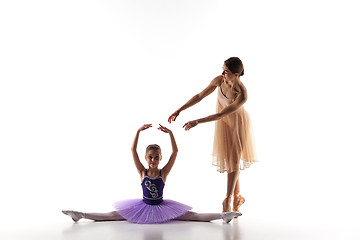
(153, 158)
(227, 74)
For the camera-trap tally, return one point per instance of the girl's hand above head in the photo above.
(173, 116)
(145, 126)
(190, 124)
(164, 129)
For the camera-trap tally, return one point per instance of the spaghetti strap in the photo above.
(145, 172)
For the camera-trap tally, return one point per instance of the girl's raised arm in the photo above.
(166, 169)
(198, 97)
(138, 164)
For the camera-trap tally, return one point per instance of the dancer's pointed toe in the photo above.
(76, 216)
(228, 216)
(238, 201)
(226, 204)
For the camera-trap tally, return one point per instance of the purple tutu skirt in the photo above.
(137, 211)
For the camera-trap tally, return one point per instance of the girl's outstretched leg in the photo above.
(111, 216)
(207, 217)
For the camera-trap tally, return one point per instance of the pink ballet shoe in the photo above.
(226, 205)
(238, 201)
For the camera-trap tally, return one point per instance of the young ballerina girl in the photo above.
(233, 140)
(152, 208)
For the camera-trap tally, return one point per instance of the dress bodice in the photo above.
(152, 189)
(222, 99)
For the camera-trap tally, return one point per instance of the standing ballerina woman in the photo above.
(233, 149)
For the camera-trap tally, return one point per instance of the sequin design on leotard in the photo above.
(152, 189)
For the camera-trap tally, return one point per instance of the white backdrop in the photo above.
(78, 78)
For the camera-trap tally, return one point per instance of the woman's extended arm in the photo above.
(240, 100)
(166, 169)
(138, 164)
(198, 97)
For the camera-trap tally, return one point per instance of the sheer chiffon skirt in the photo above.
(234, 146)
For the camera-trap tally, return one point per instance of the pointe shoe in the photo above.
(76, 216)
(226, 205)
(228, 216)
(238, 201)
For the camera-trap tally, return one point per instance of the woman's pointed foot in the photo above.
(76, 216)
(226, 204)
(228, 216)
(238, 201)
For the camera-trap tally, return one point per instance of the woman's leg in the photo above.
(238, 199)
(237, 187)
(111, 216)
(232, 179)
(207, 217)
(233, 172)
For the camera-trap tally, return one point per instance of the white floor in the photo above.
(243, 228)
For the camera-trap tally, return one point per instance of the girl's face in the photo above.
(228, 75)
(153, 158)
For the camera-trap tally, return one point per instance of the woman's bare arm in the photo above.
(240, 100)
(198, 97)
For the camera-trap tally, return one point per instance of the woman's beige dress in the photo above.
(233, 141)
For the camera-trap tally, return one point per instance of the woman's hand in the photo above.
(145, 126)
(164, 129)
(190, 124)
(173, 116)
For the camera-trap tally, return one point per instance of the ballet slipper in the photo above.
(228, 216)
(238, 201)
(226, 205)
(76, 216)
